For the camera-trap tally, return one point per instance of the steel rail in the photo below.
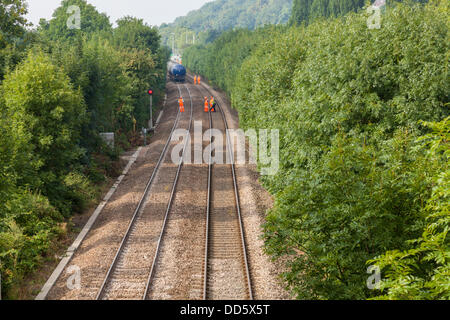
(238, 207)
(208, 211)
(169, 206)
(138, 208)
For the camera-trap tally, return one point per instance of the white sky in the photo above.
(154, 12)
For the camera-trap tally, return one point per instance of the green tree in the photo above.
(12, 21)
(31, 122)
(15, 154)
(134, 33)
(300, 11)
(41, 102)
(145, 63)
(305, 11)
(91, 21)
(13, 36)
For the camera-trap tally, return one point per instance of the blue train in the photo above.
(177, 72)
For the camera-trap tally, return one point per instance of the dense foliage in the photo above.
(12, 32)
(423, 270)
(92, 21)
(229, 14)
(222, 15)
(356, 181)
(61, 88)
(49, 113)
(12, 22)
(304, 11)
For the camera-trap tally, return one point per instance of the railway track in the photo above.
(127, 277)
(226, 273)
(161, 255)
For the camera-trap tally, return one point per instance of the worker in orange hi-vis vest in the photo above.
(181, 103)
(195, 79)
(212, 104)
(199, 79)
(206, 104)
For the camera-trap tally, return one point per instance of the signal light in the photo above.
(150, 92)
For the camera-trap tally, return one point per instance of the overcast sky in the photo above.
(154, 12)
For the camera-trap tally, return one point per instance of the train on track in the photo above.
(177, 72)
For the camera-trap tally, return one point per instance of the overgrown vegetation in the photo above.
(423, 270)
(361, 175)
(215, 17)
(304, 11)
(59, 88)
(221, 60)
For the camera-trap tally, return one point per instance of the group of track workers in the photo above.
(210, 106)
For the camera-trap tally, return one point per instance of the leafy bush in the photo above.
(28, 226)
(423, 270)
(80, 191)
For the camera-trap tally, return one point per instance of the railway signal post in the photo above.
(150, 123)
